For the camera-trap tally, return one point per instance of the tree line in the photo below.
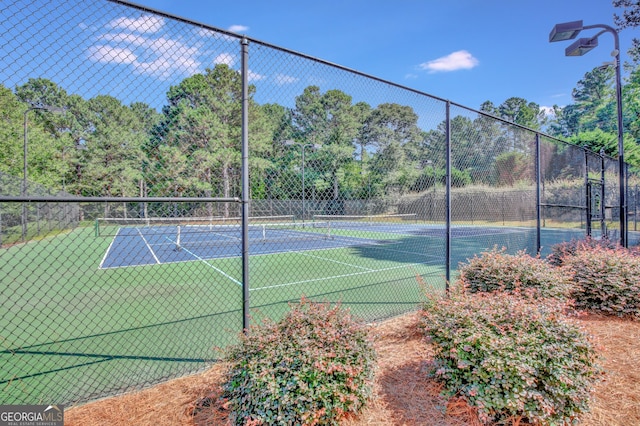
(192, 147)
(353, 150)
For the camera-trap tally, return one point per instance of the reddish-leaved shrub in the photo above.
(311, 368)
(521, 273)
(569, 248)
(605, 281)
(512, 360)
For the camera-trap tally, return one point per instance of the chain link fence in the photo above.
(129, 248)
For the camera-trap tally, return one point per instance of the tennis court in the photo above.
(138, 242)
(148, 242)
(111, 284)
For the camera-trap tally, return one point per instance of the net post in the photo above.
(178, 234)
(96, 227)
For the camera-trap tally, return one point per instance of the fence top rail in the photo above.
(75, 199)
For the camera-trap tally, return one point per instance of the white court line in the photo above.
(228, 237)
(337, 261)
(209, 265)
(337, 276)
(108, 250)
(153, 253)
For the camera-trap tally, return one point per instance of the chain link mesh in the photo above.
(121, 240)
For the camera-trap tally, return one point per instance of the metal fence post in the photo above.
(245, 185)
(448, 197)
(538, 195)
(587, 193)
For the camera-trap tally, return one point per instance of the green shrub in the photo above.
(312, 368)
(570, 248)
(496, 270)
(512, 360)
(605, 281)
(460, 178)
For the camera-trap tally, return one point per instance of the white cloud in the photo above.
(252, 76)
(410, 76)
(225, 58)
(160, 57)
(238, 28)
(454, 61)
(136, 40)
(144, 24)
(282, 79)
(142, 44)
(108, 54)
(164, 68)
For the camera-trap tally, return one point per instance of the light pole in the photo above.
(24, 159)
(569, 31)
(429, 164)
(64, 161)
(303, 147)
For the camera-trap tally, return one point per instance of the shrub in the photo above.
(459, 178)
(605, 281)
(510, 359)
(496, 270)
(570, 248)
(312, 368)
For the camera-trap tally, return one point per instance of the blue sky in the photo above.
(467, 51)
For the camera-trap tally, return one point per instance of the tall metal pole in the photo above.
(25, 163)
(448, 199)
(621, 173)
(24, 176)
(538, 196)
(303, 146)
(623, 203)
(245, 185)
(303, 188)
(570, 30)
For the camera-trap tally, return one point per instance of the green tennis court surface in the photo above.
(71, 320)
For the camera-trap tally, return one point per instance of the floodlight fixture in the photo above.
(565, 31)
(51, 108)
(581, 46)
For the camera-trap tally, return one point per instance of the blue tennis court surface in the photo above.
(136, 246)
(140, 246)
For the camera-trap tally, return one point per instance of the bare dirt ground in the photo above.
(403, 393)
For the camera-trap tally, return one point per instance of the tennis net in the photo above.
(363, 221)
(111, 226)
(202, 232)
(214, 235)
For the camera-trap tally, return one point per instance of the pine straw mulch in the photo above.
(403, 395)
